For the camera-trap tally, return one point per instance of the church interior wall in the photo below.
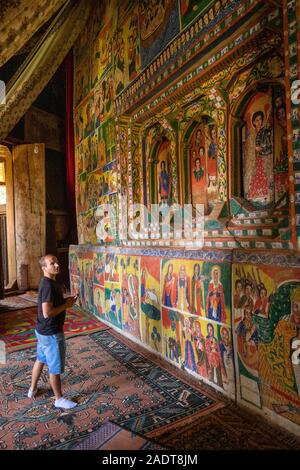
(179, 106)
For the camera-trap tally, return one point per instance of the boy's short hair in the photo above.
(42, 259)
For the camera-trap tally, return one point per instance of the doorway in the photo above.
(7, 223)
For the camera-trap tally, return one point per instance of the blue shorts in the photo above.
(51, 350)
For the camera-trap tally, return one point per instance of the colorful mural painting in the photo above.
(265, 148)
(150, 303)
(159, 23)
(130, 282)
(194, 317)
(266, 306)
(184, 102)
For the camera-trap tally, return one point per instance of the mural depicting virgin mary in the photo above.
(258, 150)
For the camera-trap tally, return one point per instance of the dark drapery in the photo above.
(70, 149)
(42, 62)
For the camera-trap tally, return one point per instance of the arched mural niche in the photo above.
(200, 163)
(204, 143)
(161, 166)
(259, 147)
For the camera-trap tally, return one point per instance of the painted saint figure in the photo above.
(226, 359)
(259, 155)
(262, 304)
(169, 288)
(198, 178)
(164, 187)
(212, 159)
(213, 356)
(183, 290)
(199, 342)
(189, 355)
(247, 339)
(197, 291)
(215, 302)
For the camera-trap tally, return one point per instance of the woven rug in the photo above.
(17, 328)
(111, 380)
(110, 436)
(14, 303)
(229, 428)
(31, 295)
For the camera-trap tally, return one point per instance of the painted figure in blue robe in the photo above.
(189, 355)
(164, 188)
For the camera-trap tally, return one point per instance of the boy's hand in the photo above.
(70, 301)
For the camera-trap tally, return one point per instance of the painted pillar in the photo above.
(291, 18)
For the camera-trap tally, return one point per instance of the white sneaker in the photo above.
(64, 403)
(32, 393)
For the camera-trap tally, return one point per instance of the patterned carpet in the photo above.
(31, 295)
(110, 382)
(110, 436)
(15, 302)
(17, 328)
(228, 428)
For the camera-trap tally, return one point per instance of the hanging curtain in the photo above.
(70, 150)
(42, 63)
(19, 20)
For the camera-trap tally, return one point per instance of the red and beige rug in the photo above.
(124, 394)
(111, 380)
(17, 328)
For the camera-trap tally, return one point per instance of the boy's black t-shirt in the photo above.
(50, 291)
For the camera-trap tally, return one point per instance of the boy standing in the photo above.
(51, 346)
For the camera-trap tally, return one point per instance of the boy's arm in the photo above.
(49, 311)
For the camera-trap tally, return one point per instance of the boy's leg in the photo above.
(55, 383)
(60, 401)
(36, 373)
(56, 364)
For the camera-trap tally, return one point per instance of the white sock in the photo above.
(64, 403)
(31, 393)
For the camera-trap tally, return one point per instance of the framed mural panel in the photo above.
(150, 302)
(266, 308)
(159, 23)
(130, 285)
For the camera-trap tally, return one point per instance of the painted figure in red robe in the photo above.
(169, 290)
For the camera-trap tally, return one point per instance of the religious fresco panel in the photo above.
(201, 289)
(113, 304)
(99, 269)
(102, 53)
(194, 317)
(110, 277)
(180, 306)
(82, 81)
(130, 285)
(265, 147)
(266, 318)
(203, 164)
(159, 23)
(86, 285)
(199, 346)
(150, 303)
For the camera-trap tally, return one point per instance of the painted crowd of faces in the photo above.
(126, 291)
(250, 297)
(189, 287)
(93, 188)
(194, 318)
(203, 164)
(266, 309)
(200, 346)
